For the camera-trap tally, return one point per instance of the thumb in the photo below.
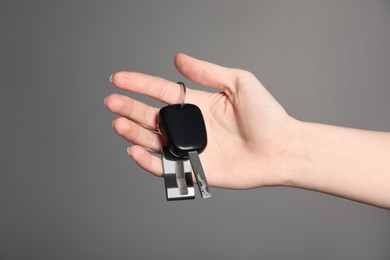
(206, 73)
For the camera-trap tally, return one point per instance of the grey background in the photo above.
(68, 190)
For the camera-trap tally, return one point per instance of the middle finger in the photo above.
(136, 111)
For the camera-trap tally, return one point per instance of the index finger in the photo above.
(155, 87)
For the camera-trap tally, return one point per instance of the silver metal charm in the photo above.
(177, 176)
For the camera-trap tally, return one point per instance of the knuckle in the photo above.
(164, 93)
(154, 143)
(151, 118)
(243, 77)
(244, 74)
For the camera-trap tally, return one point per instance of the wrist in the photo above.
(283, 165)
(295, 156)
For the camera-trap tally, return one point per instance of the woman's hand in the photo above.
(248, 131)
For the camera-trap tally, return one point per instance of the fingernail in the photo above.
(128, 151)
(105, 99)
(111, 78)
(112, 123)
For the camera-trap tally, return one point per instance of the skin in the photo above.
(252, 141)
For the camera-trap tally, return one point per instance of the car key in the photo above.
(184, 132)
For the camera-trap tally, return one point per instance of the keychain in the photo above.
(184, 132)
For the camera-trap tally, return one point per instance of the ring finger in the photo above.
(138, 135)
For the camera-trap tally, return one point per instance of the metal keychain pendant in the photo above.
(177, 176)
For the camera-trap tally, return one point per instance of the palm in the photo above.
(239, 133)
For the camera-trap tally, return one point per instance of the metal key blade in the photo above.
(199, 174)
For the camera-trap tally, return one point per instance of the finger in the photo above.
(151, 86)
(206, 73)
(136, 111)
(137, 134)
(145, 160)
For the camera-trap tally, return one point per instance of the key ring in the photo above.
(183, 98)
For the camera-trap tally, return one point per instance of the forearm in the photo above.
(350, 163)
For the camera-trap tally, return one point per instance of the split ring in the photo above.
(183, 98)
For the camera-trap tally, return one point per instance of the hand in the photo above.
(248, 131)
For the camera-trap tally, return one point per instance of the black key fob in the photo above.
(182, 128)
